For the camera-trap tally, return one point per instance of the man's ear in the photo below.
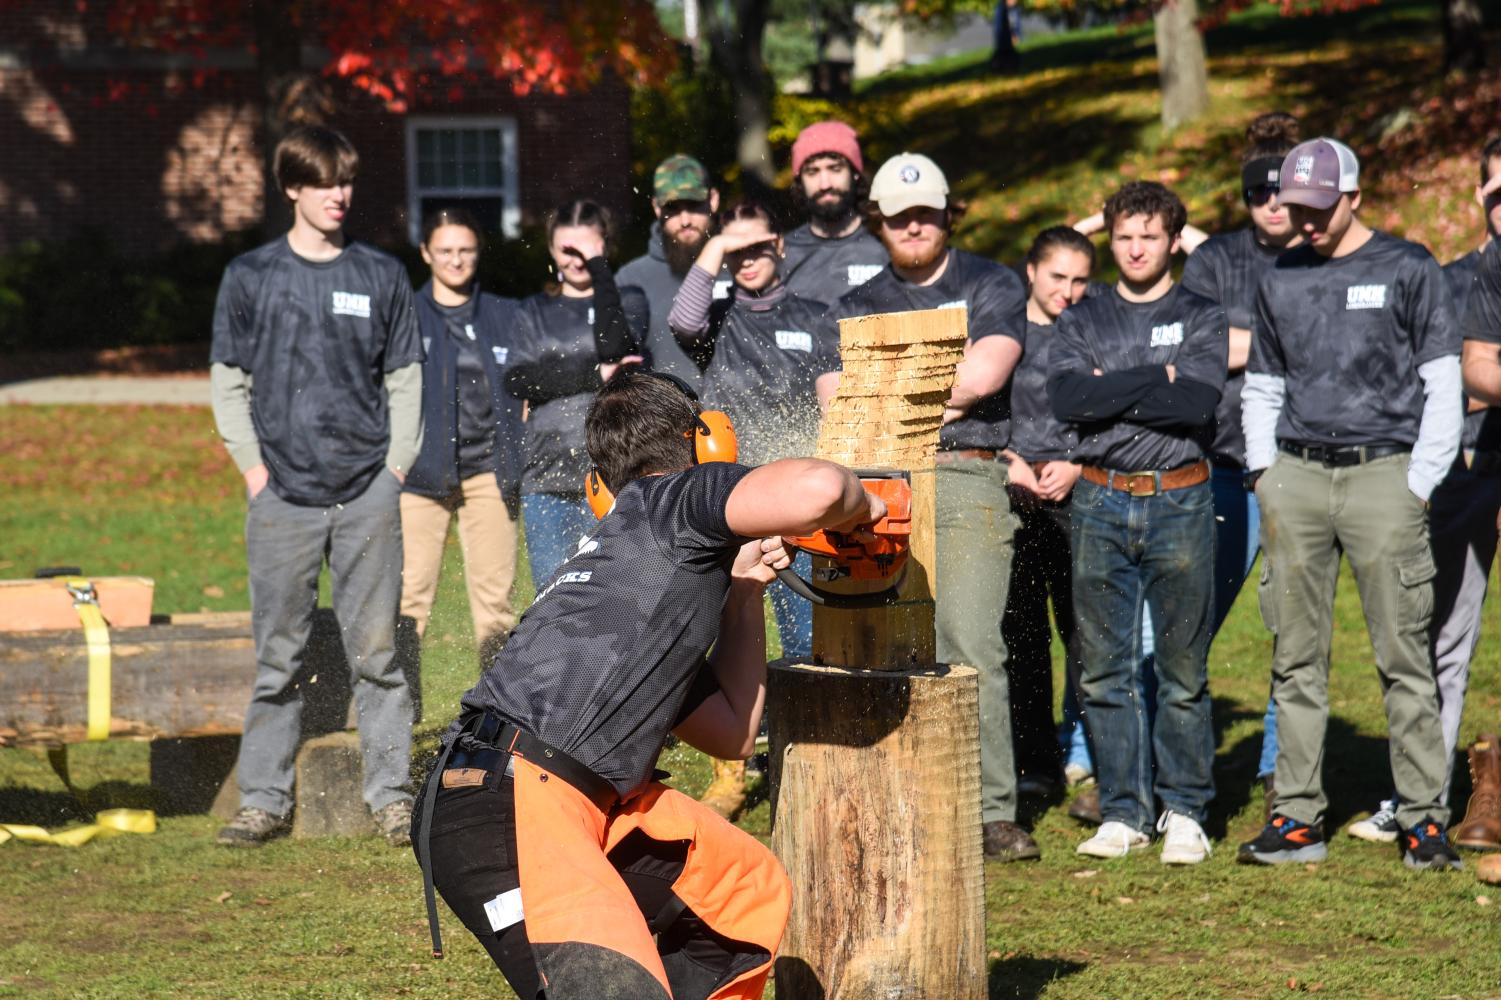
(1177, 245)
(713, 200)
(656, 208)
(1354, 201)
(291, 192)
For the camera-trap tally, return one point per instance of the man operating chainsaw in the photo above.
(543, 825)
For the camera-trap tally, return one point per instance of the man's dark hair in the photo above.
(314, 156)
(450, 216)
(848, 205)
(1146, 198)
(1059, 238)
(1490, 151)
(639, 424)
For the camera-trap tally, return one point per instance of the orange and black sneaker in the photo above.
(1426, 845)
(1283, 840)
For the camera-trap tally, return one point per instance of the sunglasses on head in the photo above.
(1260, 194)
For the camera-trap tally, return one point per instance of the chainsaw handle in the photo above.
(840, 602)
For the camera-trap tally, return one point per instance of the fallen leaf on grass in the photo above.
(1124, 900)
(1483, 900)
(1292, 984)
(262, 901)
(213, 590)
(223, 897)
(1087, 873)
(1311, 867)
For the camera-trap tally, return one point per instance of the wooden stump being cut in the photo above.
(875, 746)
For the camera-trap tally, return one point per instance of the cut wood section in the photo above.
(898, 370)
(877, 823)
(875, 749)
(39, 605)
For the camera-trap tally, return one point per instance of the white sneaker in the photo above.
(1078, 774)
(1183, 842)
(1114, 840)
(1380, 827)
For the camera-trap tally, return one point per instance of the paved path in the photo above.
(110, 390)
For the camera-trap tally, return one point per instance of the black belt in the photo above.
(1346, 456)
(487, 742)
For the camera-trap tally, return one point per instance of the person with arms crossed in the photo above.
(316, 377)
(1352, 414)
(833, 251)
(548, 834)
(1139, 373)
(470, 465)
(911, 211)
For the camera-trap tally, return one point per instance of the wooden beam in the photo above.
(875, 747)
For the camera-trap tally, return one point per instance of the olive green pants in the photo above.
(1310, 515)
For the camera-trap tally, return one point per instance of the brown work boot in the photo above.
(1481, 828)
(1086, 806)
(726, 793)
(1008, 842)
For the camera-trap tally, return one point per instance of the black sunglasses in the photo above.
(1260, 194)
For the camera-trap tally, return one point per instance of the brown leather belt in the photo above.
(1146, 484)
(963, 454)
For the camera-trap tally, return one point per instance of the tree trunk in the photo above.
(737, 46)
(1464, 45)
(875, 754)
(290, 95)
(1180, 62)
(1003, 56)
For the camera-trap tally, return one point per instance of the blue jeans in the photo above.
(554, 523)
(794, 615)
(1237, 540)
(1157, 551)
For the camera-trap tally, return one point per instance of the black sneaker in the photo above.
(1281, 841)
(1426, 845)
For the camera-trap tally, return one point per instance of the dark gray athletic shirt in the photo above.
(1483, 427)
(317, 338)
(601, 665)
(1132, 418)
(1347, 335)
(476, 422)
(823, 270)
(553, 366)
(1036, 434)
(997, 304)
(1227, 270)
(763, 372)
(655, 279)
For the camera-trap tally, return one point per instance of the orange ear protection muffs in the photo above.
(713, 441)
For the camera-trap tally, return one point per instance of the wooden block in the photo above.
(329, 780)
(38, 605)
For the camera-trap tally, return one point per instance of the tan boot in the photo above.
(726, 793)
(1481, 828)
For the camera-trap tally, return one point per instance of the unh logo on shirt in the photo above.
(501, 353)
(350, 304)
(859, 274)
(956, 304)
(795, 340)
(1167, 335)
(1365, 297)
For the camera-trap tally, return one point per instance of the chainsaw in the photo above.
(873, 553)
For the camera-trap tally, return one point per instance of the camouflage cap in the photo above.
(680, 178)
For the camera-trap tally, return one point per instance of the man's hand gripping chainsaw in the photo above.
(875, 552)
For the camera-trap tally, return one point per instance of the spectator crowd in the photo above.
(1113, 460)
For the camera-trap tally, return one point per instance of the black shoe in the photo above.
(1008, 842)
(1281, 841)
(1086, 806)
(1427, 846)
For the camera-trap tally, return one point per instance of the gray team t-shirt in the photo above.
(317, 338)
(1036, 434)
(997, 304)
(1347, 334)
(1109, 333)
(1483, 427)
(823, 270)
(1227, 270)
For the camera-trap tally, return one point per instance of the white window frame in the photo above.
(509, 192)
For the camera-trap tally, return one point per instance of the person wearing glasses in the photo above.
(1227, 270)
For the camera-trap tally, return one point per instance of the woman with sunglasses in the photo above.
(773, 361)
(1227, 269)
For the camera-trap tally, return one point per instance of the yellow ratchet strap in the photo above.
(109, 823)
(96, 634)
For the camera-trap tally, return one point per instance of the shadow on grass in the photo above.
(42, 807)
(1026, 976)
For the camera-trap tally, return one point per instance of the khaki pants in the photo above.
(487, 535)
(1310, 514)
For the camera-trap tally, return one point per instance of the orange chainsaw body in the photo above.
(877, 551)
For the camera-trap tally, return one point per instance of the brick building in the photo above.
(156, 148)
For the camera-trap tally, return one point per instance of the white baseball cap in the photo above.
(908, 180)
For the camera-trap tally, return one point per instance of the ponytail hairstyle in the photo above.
(748, 210)
(451, 215)
(1272, 134)
(1059, 238)
(578, 212)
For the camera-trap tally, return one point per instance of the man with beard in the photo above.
(911, 212)
(833, 252)
(684, 204)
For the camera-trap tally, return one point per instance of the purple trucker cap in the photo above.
(1317, 172)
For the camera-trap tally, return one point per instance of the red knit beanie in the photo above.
(826, 137)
